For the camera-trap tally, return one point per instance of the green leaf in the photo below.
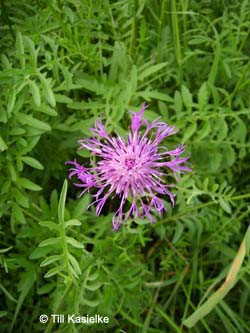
(93, 287)
(91, 84)
(62, 200)
(72, 222)
(54, 202)
(62, 99)
(91, 303)
(49, 95)
(81, 206)
(20, 49)
(75, 264)
(215, 187)
(3, 145)
(19, 43)
(18, 214)
(50, 241)
(247, 241)
(17, 131)
(53, 271)
(5, 61)
(11, 100)
(118, 60)
(214, 69)
(186, 97)
(178, 232)
(31, 47)
(178, 105)
(45, 289)
(203, 96)
(3, 314)
(151, 115)
(5, 186)
(6, 249)
(20, 198)
(50, 260)
(222, 128)
(215, 161)
(7, 294)
(35, 92)
(204, 131)
(49, 224)
(198, 40)
(148, 95)
(28, 184)
(26, 284)
(230, 156)
(39, 252)
(189, 131)
(93, 276)
(74, 243)
(127, 91)
(12, 171)
(31, 161)
(19, 164)
(160, 96)
(73, 272)
(151, 70)
(3, 115)
(27, 119)
(45, 108)
(225, 205)
(205, 185)
(240, 131)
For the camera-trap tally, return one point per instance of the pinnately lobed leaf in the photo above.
(62, 200)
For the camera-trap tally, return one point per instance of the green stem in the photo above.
(210, 203)
(65, 249)
(168, 320)
(176, 38)
(49, 327)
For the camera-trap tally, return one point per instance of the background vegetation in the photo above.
(62, 64)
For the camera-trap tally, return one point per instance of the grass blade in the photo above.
(229, 283)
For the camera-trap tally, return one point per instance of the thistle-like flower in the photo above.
(136, 170)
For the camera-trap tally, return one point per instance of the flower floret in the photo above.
(134, 170)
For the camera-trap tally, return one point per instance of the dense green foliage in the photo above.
(63, 63)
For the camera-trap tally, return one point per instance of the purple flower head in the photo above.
(136, 170)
